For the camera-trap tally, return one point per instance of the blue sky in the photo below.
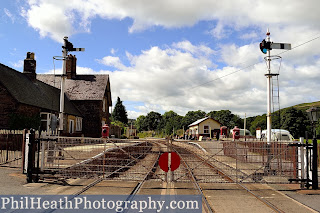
(158, 53)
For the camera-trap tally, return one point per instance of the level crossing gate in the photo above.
(132, 159)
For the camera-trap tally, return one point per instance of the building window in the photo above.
(206, 129)
(71, 126)
(45, 121)
(79, 124)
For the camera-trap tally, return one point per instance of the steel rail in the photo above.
(137, 188)
(267, 203)
(139, 185)
(92, 184)
(195, 182)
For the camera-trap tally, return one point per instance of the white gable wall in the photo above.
(209, 122)
(199, 129)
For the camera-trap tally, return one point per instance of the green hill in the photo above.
(306, 106)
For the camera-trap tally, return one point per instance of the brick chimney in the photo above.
(71, 66)
(29, 67)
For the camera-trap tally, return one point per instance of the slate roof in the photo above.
(35, 93)
(201, 120)
(82, 87)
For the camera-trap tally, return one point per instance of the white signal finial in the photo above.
(268, 32)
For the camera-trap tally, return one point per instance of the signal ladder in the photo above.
(276, 96)
(275, 91)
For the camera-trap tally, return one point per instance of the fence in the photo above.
(92, 158)
(11, 148)
(130, 159)
(79, 157)
(276, 159)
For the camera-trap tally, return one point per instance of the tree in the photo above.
(191, 117)
(140, 123)
(153, 120)
(172, 121)
(226, 118)
(295, 121)
(259, 121)
(119, 113)
(121, 125)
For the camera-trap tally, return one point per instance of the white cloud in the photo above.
(220, 31)
(57, 18)
(199, 50)
(113, 51)
(9, 15)
(50, 20)
(80, 71)
(18, 64)
(251, 35)
(111, 61)
(163, 79)
(134, 114)
(240, 56)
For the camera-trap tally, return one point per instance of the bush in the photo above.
(123, 136)
(145, 134)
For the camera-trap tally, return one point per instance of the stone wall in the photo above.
(92, 117)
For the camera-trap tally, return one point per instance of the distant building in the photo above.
(91, 94)
(131, 131)
(203, 127)
(26, 101)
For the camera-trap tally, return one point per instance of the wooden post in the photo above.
(23, 149)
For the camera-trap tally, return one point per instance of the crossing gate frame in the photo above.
(242, 161)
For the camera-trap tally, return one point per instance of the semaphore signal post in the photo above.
(68, 47)
(266, 46)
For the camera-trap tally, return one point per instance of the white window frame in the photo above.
(48, 119)
(206, 130)
(78, 124)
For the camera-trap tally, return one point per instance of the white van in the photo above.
(278, 135)
(248, 133)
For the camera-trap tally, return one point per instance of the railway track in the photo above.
(196, 168)
(191, 160)
(128, 169)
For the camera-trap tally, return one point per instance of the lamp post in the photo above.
(314, 115)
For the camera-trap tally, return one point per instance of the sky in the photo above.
(180, 55)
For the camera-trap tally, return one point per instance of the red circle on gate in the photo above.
(163, 161)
